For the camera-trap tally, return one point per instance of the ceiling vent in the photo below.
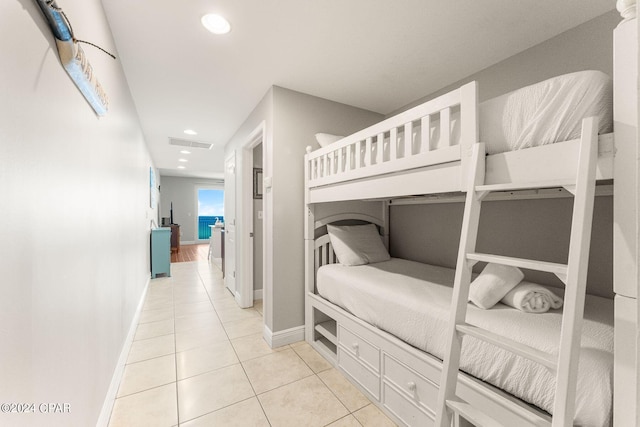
(191, 144)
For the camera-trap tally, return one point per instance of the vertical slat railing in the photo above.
(393, 144)
(425, 134)
(323, 165)
(445, 127)
(369, 149)
(359, 148)
(348, 158)
(326, 255)
(408, 139)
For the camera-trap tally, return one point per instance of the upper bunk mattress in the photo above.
(411, 301)
(547, 112)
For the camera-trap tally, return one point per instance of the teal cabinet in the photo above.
(160, 252)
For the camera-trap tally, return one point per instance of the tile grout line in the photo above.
(175, 354)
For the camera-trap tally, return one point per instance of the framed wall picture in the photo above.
(257, 183)
(152, 188)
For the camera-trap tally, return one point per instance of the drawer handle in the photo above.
(411, 386)
(355, 346)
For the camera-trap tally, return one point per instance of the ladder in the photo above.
(573, 275)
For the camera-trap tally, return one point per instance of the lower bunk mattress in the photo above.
(411, 301)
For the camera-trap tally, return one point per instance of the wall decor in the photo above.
(73, 58)
(257, 183)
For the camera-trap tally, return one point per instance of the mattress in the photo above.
(543, 113)
(411, 301)
(547, 112)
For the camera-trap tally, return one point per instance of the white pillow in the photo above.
(357, 244)
(325, 139)
(493, 284)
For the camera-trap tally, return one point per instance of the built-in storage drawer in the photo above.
(405, 410)
(358, 348)
(413, 387)
(360, 373)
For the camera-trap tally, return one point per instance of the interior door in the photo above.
(230, 223)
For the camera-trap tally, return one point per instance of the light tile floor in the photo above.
(199, 360)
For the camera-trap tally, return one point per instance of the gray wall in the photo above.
(292, 119)
(297, 118)
(74, 197)
(182, 192)
(588, 46)
(533, 229)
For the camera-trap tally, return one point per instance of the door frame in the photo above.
(231, 221)
(245, 296)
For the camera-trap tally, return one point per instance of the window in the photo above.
(210, 210)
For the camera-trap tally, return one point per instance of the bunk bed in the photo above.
(426, 151)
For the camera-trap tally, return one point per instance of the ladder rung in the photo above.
(526, 185)
(549, 267)
(520, 349)
(472, 414)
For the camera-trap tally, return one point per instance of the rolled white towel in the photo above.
(532, 298)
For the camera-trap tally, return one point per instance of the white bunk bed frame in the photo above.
(378, 163)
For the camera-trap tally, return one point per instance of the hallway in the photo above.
(199, 360)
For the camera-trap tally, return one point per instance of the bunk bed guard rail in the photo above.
(438, 131)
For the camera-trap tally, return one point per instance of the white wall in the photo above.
(74, 202)
(182, 192)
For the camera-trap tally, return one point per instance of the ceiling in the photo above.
(374, 54)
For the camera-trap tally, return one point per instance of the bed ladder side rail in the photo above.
(573, 274)
(469, 235)
(576, 283)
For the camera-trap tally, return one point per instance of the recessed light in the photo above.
(216, 23)
(181, 167)
(185, 151)
(190, 132)
(183, 160)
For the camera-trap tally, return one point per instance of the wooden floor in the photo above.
(187, 253)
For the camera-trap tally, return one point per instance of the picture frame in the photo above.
(257, 183)
(152, 188)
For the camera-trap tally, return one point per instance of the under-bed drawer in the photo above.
(409, 384)
(368, 379)
(360, 349)
(404, 410)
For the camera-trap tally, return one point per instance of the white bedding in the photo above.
(543, 113)
(411, 301)
(546, 112)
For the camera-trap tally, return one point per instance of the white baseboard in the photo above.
(257, 294)
(281, 338)
(107, 407)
